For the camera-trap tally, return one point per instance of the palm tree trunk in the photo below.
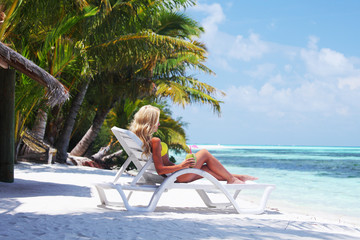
(40, 124)
(81, 148)
(38, 129)
(63, 141)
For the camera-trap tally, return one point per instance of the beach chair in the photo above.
(36, 145)
(148, 180)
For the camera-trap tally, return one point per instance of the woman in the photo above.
(146, 122)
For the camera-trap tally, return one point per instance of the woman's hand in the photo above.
(187, 163)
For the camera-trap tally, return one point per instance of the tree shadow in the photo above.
(29, 188)
(7, 205)
(162, 225)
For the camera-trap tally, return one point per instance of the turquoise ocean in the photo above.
(308, 179)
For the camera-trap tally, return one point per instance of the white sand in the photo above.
(58, 202)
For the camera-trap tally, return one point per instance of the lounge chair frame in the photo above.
(30, 140)
(132, 146)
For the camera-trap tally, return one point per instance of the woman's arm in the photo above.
(166, 161)
(162, 163)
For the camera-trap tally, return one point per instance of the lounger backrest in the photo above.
(133, 147)
(129, 141)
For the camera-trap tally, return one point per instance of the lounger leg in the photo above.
(261, 207)
(128, 197)
(265, 197)
(49, 157)
(153, 201)
(102, 196)
(150, 208)
(236, 194)
(205, 197)
(256, 210)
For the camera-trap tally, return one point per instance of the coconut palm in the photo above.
(58, 53)
(20, 32)
(125, 45)
(108, 34)
(142, 50)
(39, 30)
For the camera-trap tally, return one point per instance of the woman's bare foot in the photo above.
(244, 178)
(234, 180)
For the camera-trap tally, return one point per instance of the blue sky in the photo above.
(290, 71)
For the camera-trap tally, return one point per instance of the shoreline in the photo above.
(58, 200)
(324, 215)
(270, 146)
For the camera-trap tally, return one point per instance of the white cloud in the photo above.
(277, 79)
(352, 82)
(215, 40)
(325, 62)
(312, 44)
(261, 70)
(267, 90)
(224, 44)
(290, 81)
(248, 49)
(224, 64)
(310, 97)
(215, 16)
(328, 85)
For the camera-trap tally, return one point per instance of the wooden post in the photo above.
(7, 124)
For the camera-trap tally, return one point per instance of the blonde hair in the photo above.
(144, 125)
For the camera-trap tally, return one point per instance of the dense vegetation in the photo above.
(114, 56)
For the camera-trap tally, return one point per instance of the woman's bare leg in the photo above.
(241, 177)
(208, 163)
(245, 177)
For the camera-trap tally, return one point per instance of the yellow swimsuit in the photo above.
(164, 149)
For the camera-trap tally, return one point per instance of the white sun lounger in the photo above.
(148, 180)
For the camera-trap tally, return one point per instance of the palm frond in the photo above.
(177, 24)
(183, 94)
(7, 21)
(63, 27)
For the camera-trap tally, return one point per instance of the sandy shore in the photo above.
(58, 202)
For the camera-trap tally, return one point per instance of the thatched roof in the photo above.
(57, 93)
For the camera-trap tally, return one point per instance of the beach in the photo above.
(59, 202)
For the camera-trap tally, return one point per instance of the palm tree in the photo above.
(120, 45)
(39, 30)
(58, 52)
(111, 22)
(173, 81)
(142, 50)
(63, 140)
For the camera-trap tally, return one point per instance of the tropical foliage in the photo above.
(114, 56)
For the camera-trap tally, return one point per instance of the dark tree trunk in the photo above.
(7, 124)
(81, 148)
(64, 138)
